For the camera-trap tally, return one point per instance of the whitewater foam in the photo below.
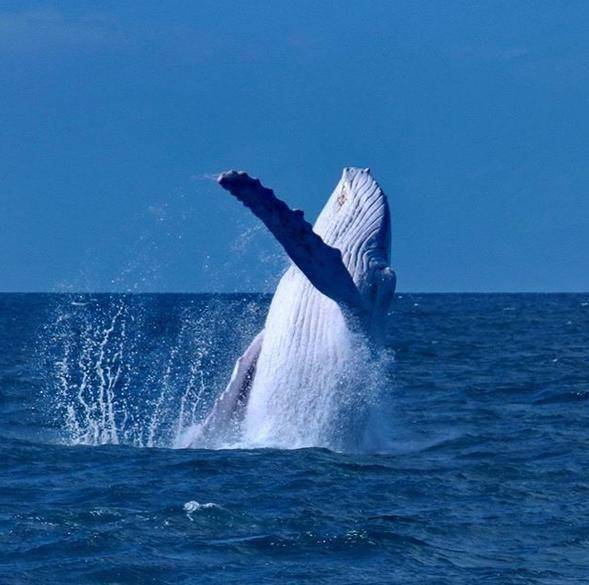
(193, 506)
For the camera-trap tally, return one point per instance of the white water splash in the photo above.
(193, 506)
(112, 381)
(86, 375)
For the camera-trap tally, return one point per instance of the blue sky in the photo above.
(473, 116)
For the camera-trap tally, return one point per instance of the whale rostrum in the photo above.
(340, 281)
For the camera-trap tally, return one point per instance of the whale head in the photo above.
(356, 220)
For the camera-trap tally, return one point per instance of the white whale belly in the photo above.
(301, 371)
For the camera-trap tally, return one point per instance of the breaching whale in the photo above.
(288, 388)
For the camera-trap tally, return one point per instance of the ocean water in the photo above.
(484, 476)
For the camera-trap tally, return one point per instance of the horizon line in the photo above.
(397, 293)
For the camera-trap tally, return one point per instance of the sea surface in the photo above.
(484, 478)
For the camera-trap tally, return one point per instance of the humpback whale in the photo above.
(292, 385)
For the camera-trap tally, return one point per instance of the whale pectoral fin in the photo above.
(320, 263)
(231, 403)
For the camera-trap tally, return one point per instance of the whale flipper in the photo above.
(230, 404)
(319, 262)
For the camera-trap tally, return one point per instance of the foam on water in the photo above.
(193, 506)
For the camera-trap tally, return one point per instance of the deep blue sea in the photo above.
(485, 480)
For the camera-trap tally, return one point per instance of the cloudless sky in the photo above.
(473, 116)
